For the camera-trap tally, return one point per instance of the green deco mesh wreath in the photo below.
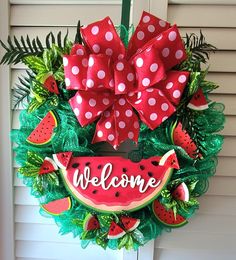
(191, 131)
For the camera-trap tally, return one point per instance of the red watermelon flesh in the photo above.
(129, 223)
(115, 231)
(170, 160)
(181, 192)
(43, 133)
(91, 223)
(181, 138)
(51, 85)
(115, 198)
(198, 101)
(48, 166)
(57, 207)
(62, 159)
(167, 217)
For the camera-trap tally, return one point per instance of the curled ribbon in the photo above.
(113, 82)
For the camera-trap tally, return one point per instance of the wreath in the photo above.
(147, 86)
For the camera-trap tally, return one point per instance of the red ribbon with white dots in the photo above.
(121, 86)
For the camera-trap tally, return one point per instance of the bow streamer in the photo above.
(119, 86)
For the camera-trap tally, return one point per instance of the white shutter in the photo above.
(211, 233)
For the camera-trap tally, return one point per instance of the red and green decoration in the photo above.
(109, 85)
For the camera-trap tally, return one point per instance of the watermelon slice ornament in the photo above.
(90, 223)
(50, 83)
(198, 101)
(62, 159)
(181, 192)
(129, 223)
(48, 166)
(115, 231)
(57, 207)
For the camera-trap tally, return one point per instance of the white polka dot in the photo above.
(75, 70)
(151, 28)
(111, 83)
(101, 74)
(154, 67)
(122, 124)
(107, 114)
(139, 94)
(182, 78)
(162, 23)
(165, 52)
(149, 90)
(161, 93)
(121, 87)
(164, 107)
(108, 125)
(159, 37)
(146, 19)
(176, 94)
(139, 62)
(131, 135)
(109, 51)
(67, 81)
(121, 56)
(146, 82)
(85, 62)
(100, 86)
(169, 85)
(105, 101)
(76, 111)
(117, 113)
(109, 36)
(65, 61)
(179, 54)
(79, 99)
(95, 30)
(90, 83)
(140, 35)
(136, 125)
(80, 52)
(130, 77)
(120, 66)
(153, 116)
(96, 48)
(122, 101)
(111, 137)
(88, 115)
(164, 118)
(172, 36)
(128, 113)
(152, 101)
(130, 94)
(92, 102)
(91, 62)
(100, 134)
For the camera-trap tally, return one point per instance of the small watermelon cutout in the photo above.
(43, 133)
(50, 84)
(57, 207)
(198, 101)
(62, 159)
(115, 231)
(169, 159)
(167, 217)
(181, 138)
(47, 166)
(90, 223)
(129, 223)
(181, 192)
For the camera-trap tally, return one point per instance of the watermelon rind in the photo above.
(119, 209)
(87, 219)
(198, 108)
(185, 189)
(118, 235)
(58, 162)
(52, 162)
(165, 157)
(43, 206)
(199, 104)
(168, 225)
(53, 114)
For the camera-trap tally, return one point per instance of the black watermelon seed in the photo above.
(117, 194)
(155, 163)
(124, 170)
(75, 165)
(141, 167)
(150, 174)
(87, 163)
(99, 166)
(94, 191)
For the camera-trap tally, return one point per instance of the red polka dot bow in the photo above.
(120, 86)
